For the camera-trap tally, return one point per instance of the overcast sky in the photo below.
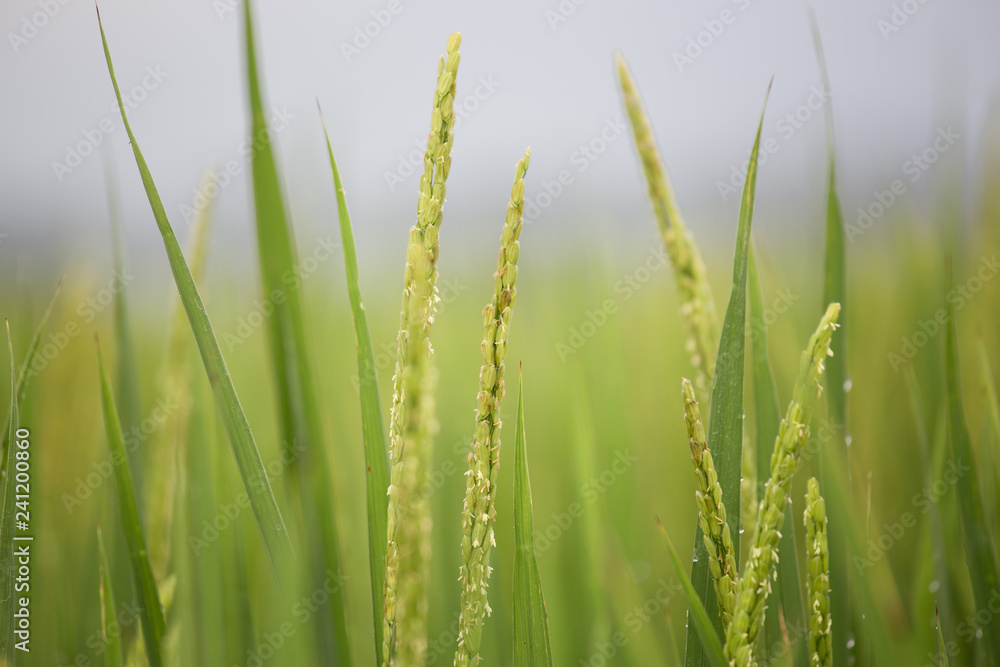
(532, 73)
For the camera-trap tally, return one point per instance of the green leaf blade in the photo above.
(702, 623)
(532, 646)
(979, 548)
(27, 372)
(372, 424)
(930, 472)
(725, 427)
(265, 507)
(7, 597)
(127, 373)
(301, 427)
(151, 615)
(942, 646)
(787, 587)
(835, 291)
(110, 631)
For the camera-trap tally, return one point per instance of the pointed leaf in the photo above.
(725, 426)
(372, 425)
(699, 617)
(265, 507)
(532, 647)
(151, 614)
(942, 647)
(110, 629)
(27, 372)
(835, 290)
(301, 428)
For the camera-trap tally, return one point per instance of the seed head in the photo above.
(755, 583)
(479, 510)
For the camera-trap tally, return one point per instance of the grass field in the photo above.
(272, 556)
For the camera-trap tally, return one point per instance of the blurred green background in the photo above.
(597, 329)
(604, 427)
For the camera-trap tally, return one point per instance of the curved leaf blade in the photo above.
(265, 507)
(151, 614)
(372, 424)
(27, 372)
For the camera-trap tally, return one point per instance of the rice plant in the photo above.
(818, 578)
(412, 423)
(479, 511)
(271, 515)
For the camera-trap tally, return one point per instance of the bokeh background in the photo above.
(538, 74)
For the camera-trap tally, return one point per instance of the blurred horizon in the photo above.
(601, 331)
(896, 90)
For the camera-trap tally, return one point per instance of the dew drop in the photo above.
(847, 440)
(847, 385)
(979, 633)
(934, 586)
(850, 643)
(742, 529)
